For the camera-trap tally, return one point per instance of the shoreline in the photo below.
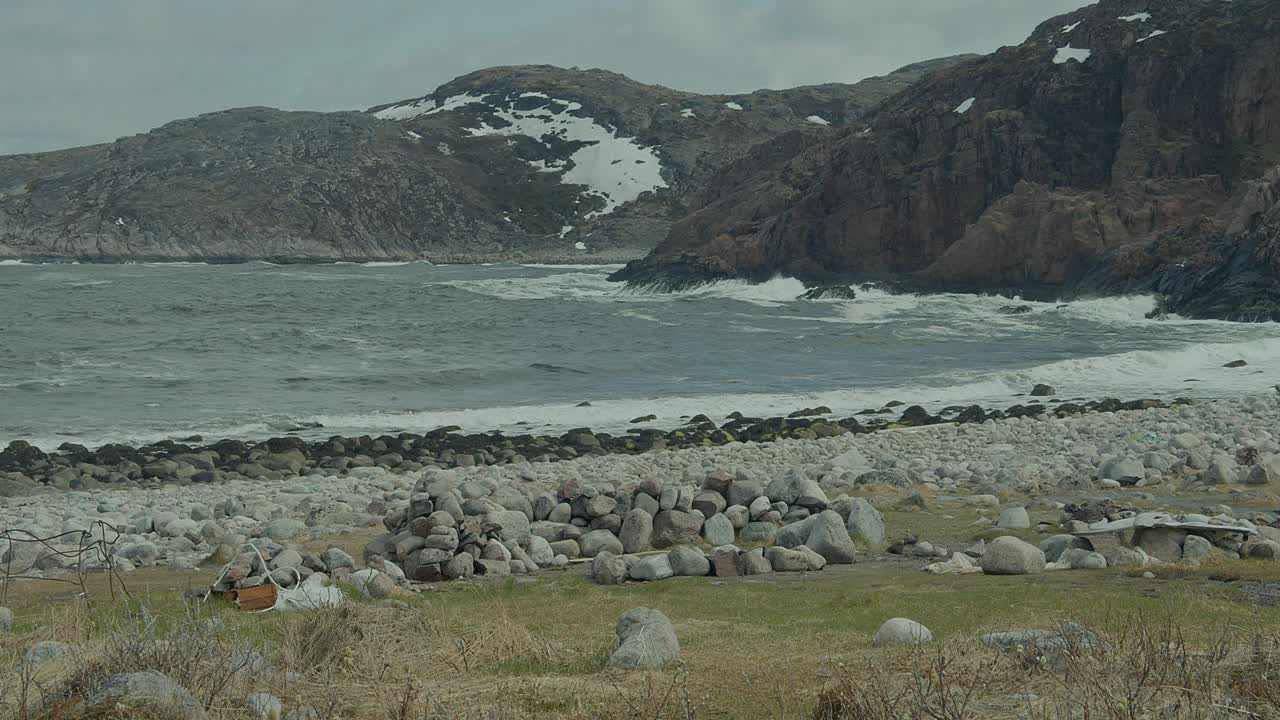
(27, 469)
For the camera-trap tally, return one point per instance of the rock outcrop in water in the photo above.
(510, 163)
(1124, 146)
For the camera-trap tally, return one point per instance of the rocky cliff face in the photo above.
(1108, 132)
(514, 163)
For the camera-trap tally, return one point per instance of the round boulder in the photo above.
(902, 631)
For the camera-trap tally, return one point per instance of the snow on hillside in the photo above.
(817, 120)
(733, 106)
(614, 168)
(1136, 17)
(963, 107)
(1068, 53)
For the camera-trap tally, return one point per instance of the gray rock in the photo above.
(1008, 555)
(742, 492)
(1054, 546)
(653, 567)
(718, 530)
(798, 560)
(44, 651)
(895, 478)
(568, 548)
(264, 706)
(150, 693)
(6, 620)
(597, 541)
(540, 552)
(1194, 548)
(902, 631)
(668, 498)
(688, 561)
(796, 488)
(758, 507)
(824, 533)
(336, 558)
(1119, 556)
(608, 569)
(1122, 469)
(1164, 544)
(1082, 559)
(758, 532)
(674, 527)
(646, 639)
(709, 503)
(738, 516)
(1014, 518)
(646, 502)
(459, 567)
(1265, 550)
(865, 522)
(637, 530)
(514, 524)
(561, 513)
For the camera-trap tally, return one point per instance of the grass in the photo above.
(778, 646)
(749, 646)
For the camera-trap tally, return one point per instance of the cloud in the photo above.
(82, 71)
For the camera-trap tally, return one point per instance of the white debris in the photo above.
(548, 166)
(413, 135)
(964, 107)
(1072, 26)
(120, 221)
(406, 111)
(535, 95)
(816, 120)
(687, 113)
(444, 149)
(1068, 53)
(1154, 33)
(733, 106)
(1136, 17)
(580, 245)
(565, 230)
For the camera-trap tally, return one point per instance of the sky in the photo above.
(78, 72)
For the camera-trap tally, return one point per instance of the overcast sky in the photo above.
(87, 71)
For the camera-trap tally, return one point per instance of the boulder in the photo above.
(674, 527)
(1119, 556)
(754, 563)
(1008, 555)
(513, 523)
(796, 488)
(1054, 546)
(1014, 518)
(1195, 547)
(718, 530)
(688, 561)
(724, 561)
(637, 530)
(798, 560)
(1265, 550)
(902, 631)
(865, 522)
(709, 502)
(1164, 544)
(653, 567)
(646, 639)
(608, 569)
(264, 706)
(1082, 559)
(149, 694)
(597, 541)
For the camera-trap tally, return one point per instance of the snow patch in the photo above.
(1068, 53)
(687, 113)
(816, 120)
(963, 107)
(1072, 26)
(406, 111)
(548, 166)
(1136, 17)
(413, 134)
(444, 149)
(1154, 33)
(580, 245)
(615, 169)
(120, 221)
(733, 106)
(535, 95)
(565, 230)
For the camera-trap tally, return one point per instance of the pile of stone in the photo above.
(451, 529)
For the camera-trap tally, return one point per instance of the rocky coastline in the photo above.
(26, 469)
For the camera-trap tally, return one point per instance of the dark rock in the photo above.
(829, 292)
(1042, 391)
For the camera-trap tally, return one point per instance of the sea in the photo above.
(92, 354)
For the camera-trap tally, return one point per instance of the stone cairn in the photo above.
(454, 530)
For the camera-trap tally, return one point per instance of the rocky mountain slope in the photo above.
(1124, 146)
(524, 163)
